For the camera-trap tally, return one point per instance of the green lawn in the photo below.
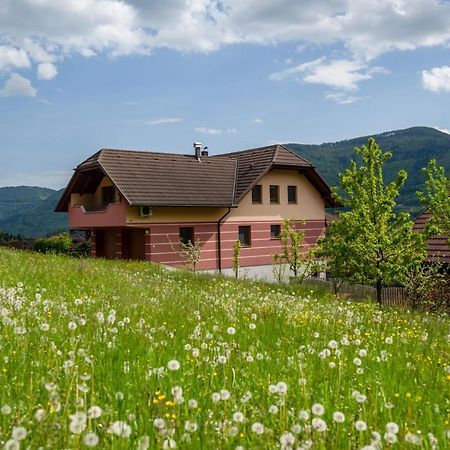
(127, 355)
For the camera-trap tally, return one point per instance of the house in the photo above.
(140, 205)
(438, 248)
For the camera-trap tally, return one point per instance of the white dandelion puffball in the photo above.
(215, 397)
(273, 409)
(224, 394)
(120, 428)
(392, 427)
(90, 439)
(231, 330)
(19, 433)
(94, 412)
(339, 417)
(238, 417)
(12, 445)
(303, 415)
(360, 425)
(192, 403)
(391, 438)
(282, 388)
(173, 365)
(159, 424)
(258, 428)
(287, 440)
(319, 424)
(317, 409)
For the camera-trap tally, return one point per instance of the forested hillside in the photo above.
(412, 149)
(28, 211)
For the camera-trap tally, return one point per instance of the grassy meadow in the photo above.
(127, 355)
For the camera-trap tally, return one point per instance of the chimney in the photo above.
(198, 150)
(205, 152)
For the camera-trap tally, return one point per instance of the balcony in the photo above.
(93, 216)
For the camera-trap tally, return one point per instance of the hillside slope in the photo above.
(412, 148)
(29, 211)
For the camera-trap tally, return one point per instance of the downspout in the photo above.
(219, 242)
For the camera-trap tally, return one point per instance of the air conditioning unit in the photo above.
(145, 211)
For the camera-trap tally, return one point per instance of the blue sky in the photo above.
(79, 75)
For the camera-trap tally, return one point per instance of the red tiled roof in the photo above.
(167, 179)
(438, 247)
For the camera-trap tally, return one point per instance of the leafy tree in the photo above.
(379, 245)
(301, 263)
(437, 198)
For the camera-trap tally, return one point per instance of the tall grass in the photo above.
(127, 355)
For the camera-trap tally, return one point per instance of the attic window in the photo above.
(274, 194)
(257, 194)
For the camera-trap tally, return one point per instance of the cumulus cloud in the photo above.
(47, 71)
(17, 85)
(47, 31)
(13, 58)
(436, 79)
(342, 75)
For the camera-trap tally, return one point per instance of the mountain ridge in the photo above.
(29, 210)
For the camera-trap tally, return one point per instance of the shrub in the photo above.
(59, 243)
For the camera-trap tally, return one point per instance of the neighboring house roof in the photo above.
(173, 180)
(438, 248)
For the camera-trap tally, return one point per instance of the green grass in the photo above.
(152, 316)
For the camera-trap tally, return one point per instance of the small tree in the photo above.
(379, 244)
(437, 198)
(300, 263)
(278, 268)
(190, 253)
(236, 256)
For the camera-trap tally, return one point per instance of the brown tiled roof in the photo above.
(166, 179)
(438, 248)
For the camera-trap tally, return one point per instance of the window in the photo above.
(292, 194)
(274, 194)
(244, 236)
(187, 235)
(108, 195)
(257, 194)
(275, 231)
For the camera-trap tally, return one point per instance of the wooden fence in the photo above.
(390, 296)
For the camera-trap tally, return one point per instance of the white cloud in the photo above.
(437, 79)
(47, 31)
(342, 97)
(17, 85)
(206, 130)
(340, 74)
(47, 71)
(257, 120)
(13, 58)
(215, 131)
(162, 121)
(443, 130)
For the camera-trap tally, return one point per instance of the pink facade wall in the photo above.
(161, 243)
(164, 243)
